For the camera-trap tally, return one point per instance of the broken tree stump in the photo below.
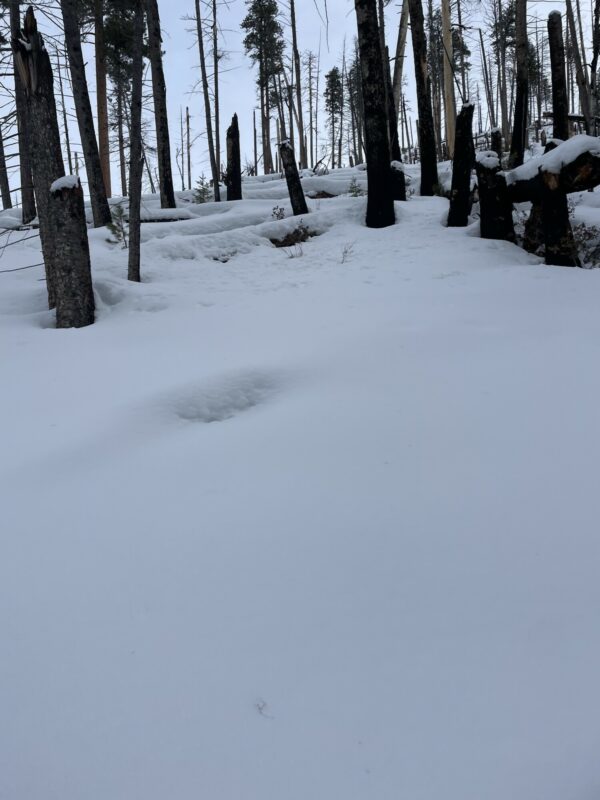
(297, 198)
(73, 275)
(462, 166)
(233, 178)
(398, 180)
(560, 247)
(495, 207)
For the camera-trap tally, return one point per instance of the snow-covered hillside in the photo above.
(308, 523)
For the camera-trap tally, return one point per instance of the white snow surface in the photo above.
(487, 158)
(318, 527)
(66, 182)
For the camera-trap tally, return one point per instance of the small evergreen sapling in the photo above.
(202, 192)
(119, 226)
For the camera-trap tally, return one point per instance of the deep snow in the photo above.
(316, 527)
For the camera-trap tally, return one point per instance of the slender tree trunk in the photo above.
(487, 83)
(298, 86)
(136, 165)
(288, 160)
(462, 166)
(121, 142)
(429, 175)
(161, 118)
(101, 95)
(4, 184)
(449, 101)
(380, 204)
(400, 50)
(215, 35)
(560, 105)
(518, 142)
(85, 119)
(28, 208)
(234, 166)
(580, 73)
(64, 116)
(188, 146)
(214, 167)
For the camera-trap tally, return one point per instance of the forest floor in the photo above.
(315, 523)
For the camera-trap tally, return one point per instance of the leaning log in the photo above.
(462, 166)
(297, 198)
(233, 177)
(495, 207)
(73, 276)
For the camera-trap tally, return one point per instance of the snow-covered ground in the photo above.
(321, 527)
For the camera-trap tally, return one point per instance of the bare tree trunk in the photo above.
(462, 166)
(560, 106)
(488, 84)
(121, 141)
(214, 168)
(288, 160)
(188, 146)
(64, 115)
(400, 50)
(429, 175)
(4, 184)
(298, 86)
(136, 165)
(234, 166)
(518, 142)
(215, 35)
(85, 119)
(380, 204)
(33, 63)
(101, 95)
(495, 217)
(27, 195)
(580, 73)
(449, 101)
(74, 291)
(161, 118)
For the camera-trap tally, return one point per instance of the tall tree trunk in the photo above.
(188, 146)
(298, 86)
(580, 73)
(101, 95)
(234, 166)
(449, 101)
(487, 83)
(502, 77)
(121, 141)
(33, 63)
(518, 142)
(64, 115)
(400, 50)
(215, 35)
(214, 167)
(161, 118)
(28, 208)
(380, 203)
(462, 166)
(429, 175)
(136, 165)
(4, 184)
(85, 119)
(560, 105)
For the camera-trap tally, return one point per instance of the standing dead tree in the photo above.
(560, 103)
(429, 175)
(462, 166)
(296, 192)
(234, 167)
(136, 166)
(27, 194)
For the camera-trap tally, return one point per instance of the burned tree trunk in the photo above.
(398, 181)
(35, 71)
(462, 166)
(4, 184)
(429, 175)
(234, 166)
(292, 177)
(560, 104)
(85, 119)
(159, 93)
(74, 292)
(519, 137)
(101, 95)
(495, 208)
(560, 248)
(497, 142)
(27, 195)
(136, 166)
(380, 201)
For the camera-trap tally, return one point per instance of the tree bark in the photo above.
(28, 208)
(4, 184)
(429, 175)
(560, 104)
(35, 70)
(234, 166)
(580, 74)
(380, 202)
(449, 100)
(74, 291)
(399, 59)
(495, 208)
(462, 166)
(518, 142)
(214, 167)
(136, 165)
(292, 177)
(560, 248)
(298, 86)
(161, 118)
(101, 95)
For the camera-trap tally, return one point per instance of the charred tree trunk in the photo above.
(292, 177)
(85, 119)
(448, 78)
(560, 103)
(159, 93)
(519, 137)
(429, 175)
(558, 237)
(398, 181)
(298, 86)
(27, 195)
(101, 95)
(74, 291)
(4, 184)
(399, 59)
(35, 70)
(495, 208)
(136, 157)
(462, 166)
(380, 203)
(392, 110)
(496, 143)
(234, 167)
(214, 167)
